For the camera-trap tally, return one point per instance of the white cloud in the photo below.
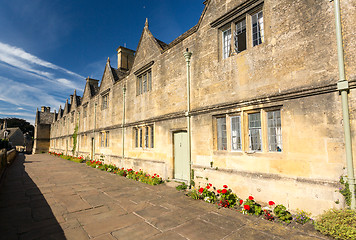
(66, 83)
(21, 94)
(25, 61)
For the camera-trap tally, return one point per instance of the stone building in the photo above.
(43, 121)
(14, 135)
(265, 111)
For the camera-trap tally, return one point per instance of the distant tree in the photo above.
(25, 126)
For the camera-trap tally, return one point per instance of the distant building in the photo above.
(14, 135)
(266, 115)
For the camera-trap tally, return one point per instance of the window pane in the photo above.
(136, 137)
(221, 127)
(139, 85)
(107, 139)
(240, 36)
(274, 131)
(145, 82)
(152, 137)
(226, 43)
(257, 28)
(141, 137)
(146, 137)
(254, 126)
(149, 80)
(235, 133)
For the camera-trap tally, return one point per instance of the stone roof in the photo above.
(163, 45)
(94, 89)
(11, 132)
(118, 74)
(78, 100)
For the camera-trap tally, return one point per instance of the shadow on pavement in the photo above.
(24, 211)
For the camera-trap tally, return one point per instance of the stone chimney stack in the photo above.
(125, 58)
(43, 109)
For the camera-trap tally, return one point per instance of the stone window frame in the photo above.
(244, 11)
(104, 139)
(85, 110)
(245, 130)
(104, 101)
(144, 136)
(254, 132)
(144, 82)
(277, 144)
(141, 74)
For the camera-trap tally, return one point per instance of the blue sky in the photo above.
(49, 47)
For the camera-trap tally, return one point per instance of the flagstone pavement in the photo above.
(46, 197)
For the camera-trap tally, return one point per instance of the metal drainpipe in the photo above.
(77, 133)
(94, 131)
(187, 56)
(123, 121)
(343, 87)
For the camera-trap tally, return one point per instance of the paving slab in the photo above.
(46, 197)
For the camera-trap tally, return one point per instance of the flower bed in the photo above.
(70, 158)
(140, 175)
(225, 198)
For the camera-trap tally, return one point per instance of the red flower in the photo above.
(250, 197)
(225, 186)
(247, 207)
(219, 191)
(136, 172)
(201, 190)
(271, 203)
(207, 187)
(241, 201)
(157, 176)
(153, 176)
(210, 184)
(223, 191)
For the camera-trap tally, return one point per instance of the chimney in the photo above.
(71, 99)
(48, 109)
(43, 109)
(125, 58)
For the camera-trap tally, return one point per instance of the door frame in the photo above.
(173, 151)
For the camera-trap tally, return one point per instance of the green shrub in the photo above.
(281, 212)
(302, 217)
(182, 186)
(227, 198)
(340, 224)
(194, 194)
(251, 207)
(345, 190)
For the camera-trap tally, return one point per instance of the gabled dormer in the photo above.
(60, 112)
(67, 107)
(76, 100)
(90, 90)
(108, 79)
(148, 48)
(55, 116)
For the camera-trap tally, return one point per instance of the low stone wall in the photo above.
(7, 158)
(3, 159)
(11, 155)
